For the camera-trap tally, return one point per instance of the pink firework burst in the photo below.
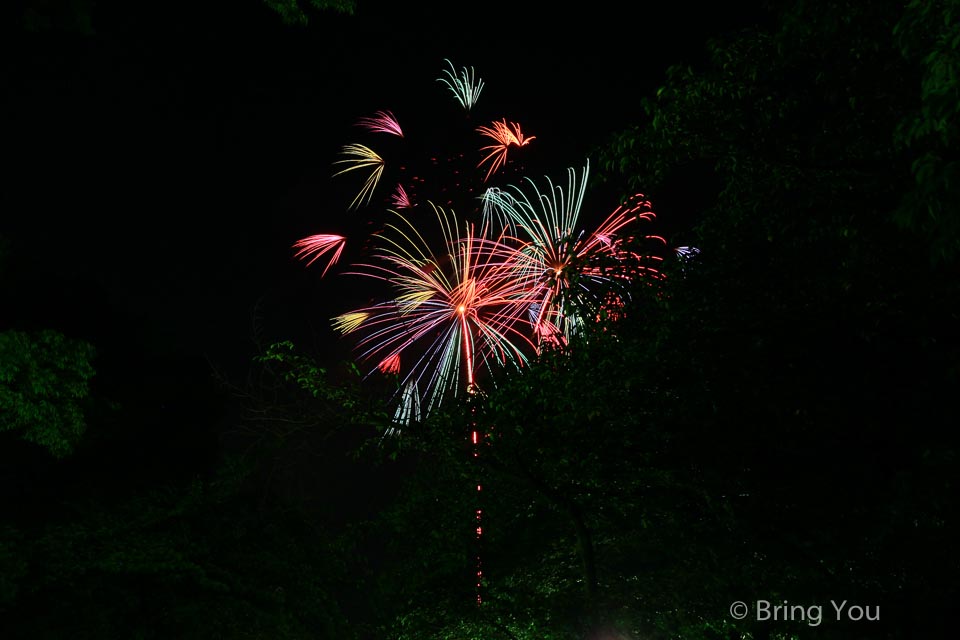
(382, 122)
(399, 199)
(313, 247)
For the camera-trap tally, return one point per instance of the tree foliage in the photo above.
(928, 35)
(44, 383)
(194, 561)
(64, 16)
(81, 16)
(292, 12)
(233, 550)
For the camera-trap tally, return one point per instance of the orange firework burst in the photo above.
(506, 134)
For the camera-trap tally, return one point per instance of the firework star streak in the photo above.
(382, 122)
(315, 246)
(362, 157)
(465, 86)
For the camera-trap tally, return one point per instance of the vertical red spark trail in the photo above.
(475, 439)
(466, 346)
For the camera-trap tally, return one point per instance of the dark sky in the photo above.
(158, 171)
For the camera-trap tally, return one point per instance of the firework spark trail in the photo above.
(382, 122)
(362, 157)
(492, 213)
(315, 246)
(400, 199)
(407, 411)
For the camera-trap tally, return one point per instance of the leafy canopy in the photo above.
(44, 381)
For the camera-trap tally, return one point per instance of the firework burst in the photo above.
(465, 86)
(382, 122)
(400, 199)
(451, 314)
(529, 275)
(506, 135)
(442, 176)
(578, 273)
(315, 246)
(362, 157)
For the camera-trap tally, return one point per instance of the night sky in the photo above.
(158, 171)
